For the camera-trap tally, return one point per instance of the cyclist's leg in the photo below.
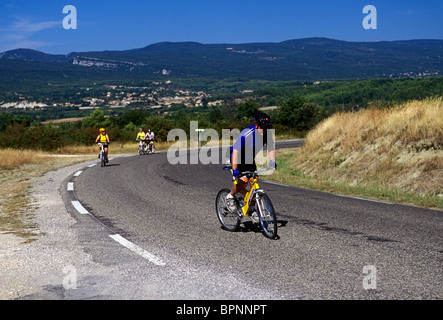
(106, 154)
(238, 187)
(100, 148)
(242, 182)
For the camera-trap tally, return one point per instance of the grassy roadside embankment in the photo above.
(393, 155)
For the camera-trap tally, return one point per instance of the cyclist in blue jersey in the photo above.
(244, 151)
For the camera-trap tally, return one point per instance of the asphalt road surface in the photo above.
(155, 223)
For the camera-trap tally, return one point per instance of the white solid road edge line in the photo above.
(364, 199)
(136, 249)
(335, 194)
(276, 183)
(78, 206)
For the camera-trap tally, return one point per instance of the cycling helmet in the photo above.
(102, 130)
(263, 120)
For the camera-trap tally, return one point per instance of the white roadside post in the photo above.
(199, 136)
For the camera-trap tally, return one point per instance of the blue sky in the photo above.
(129, 24)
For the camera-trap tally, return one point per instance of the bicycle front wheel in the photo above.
(228, 220)
(268, 219)
(103, 160)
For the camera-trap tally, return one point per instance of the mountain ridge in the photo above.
(296, 59)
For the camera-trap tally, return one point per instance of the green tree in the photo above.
(48, 137)
(137, 117)
(130, 127)
(298, 113)
(96, 120)
(246, 110)
(5, 119)
(215, 115)
(160, 126)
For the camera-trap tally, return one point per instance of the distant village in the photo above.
(158, 95)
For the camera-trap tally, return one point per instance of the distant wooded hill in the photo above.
(308, 59)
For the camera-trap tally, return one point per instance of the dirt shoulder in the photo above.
(37, 269)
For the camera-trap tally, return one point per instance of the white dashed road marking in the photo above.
(78, 206)
(78, 173)
(136, 249)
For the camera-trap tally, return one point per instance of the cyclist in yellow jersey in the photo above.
(104, 139)
(142, 136)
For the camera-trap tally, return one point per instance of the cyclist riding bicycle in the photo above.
(103, 138)
(142, 136)
(244, 151)
(151, 138)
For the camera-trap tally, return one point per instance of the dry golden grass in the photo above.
(410, 123)
(11, 158)
(62, 120)
(114, 148)
(397, 149)
(18, 171)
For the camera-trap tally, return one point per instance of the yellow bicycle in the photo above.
(254, 204)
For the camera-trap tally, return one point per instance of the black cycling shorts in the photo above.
(246, 167)
(242, 167)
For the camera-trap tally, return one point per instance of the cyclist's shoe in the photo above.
(254, 217)
(231, 203)
(232, 206)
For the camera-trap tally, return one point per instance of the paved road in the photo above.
(157, 223)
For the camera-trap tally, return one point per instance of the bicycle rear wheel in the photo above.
(228, 220)
(268, 219)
